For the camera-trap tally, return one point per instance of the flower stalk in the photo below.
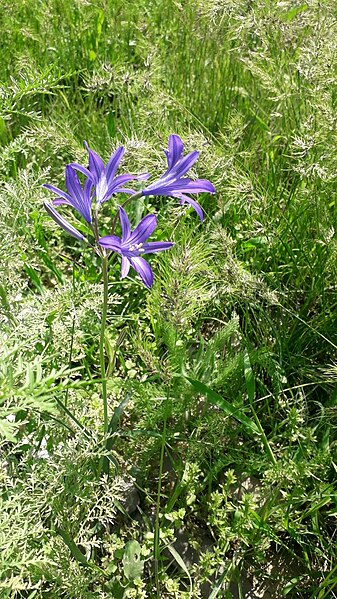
(156, 540)
(100, 184)
(135, 196)
(101, 342)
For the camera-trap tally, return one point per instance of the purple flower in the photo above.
(132, 245)
(173, 183)
(62, 222)
(103, 177)
(76, 196)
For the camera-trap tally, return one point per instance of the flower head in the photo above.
(76, 196)
(63, 222)
(103, 177)
(173, 183)
(132, 245)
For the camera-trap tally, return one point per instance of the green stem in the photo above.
(157, 524)
(135, 196)
(101, 342)
(95, 226)
(71, 339)
(156, 548)
(73, 417)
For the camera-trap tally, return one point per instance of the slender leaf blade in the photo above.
(227, 407)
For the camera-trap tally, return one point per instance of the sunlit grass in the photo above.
(252, 86)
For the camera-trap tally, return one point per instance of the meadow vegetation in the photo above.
(221, 378)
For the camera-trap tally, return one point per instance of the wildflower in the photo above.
(103, 177)
(63, 223)
(77, 197)
(173, 183)
(132, 245)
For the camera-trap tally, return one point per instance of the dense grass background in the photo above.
(245, 304)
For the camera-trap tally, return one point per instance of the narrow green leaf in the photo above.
(218, 586)
(74, 550)
(182, 564)
(249, 377)
(114, 422)
(293, 12)
(260, 122)
(5, 304)
(52, 266)
(34, 277)
(76, 553)
(227, 407)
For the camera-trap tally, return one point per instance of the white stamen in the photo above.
(137, 247)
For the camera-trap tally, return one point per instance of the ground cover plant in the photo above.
(168, 430)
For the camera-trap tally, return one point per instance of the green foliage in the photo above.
(132, 564)
(25, 389)
(244, 305)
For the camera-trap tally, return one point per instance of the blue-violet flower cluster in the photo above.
(101, 183)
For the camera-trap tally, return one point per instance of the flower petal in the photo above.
(58, 191)
(72, 182)
(87, 192)
(111, 242)
(143, 230)
(144, 270)
(175, 150)
(143, 176)
(185, 164)
(102, 191)
(96, 164)
(125, 224)
(63, 223)
(121, 179)
(85, 171)
(163, 188)
(125, 267)
(156, 246)
(180, 185)
(80, 203)
(112, 166)
(61, 202)
(200, 185)
(106, 189)
(124, 190)
(192, 203)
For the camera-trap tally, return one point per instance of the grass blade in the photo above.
(227, 407)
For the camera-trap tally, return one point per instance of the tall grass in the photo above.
(252, 85)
